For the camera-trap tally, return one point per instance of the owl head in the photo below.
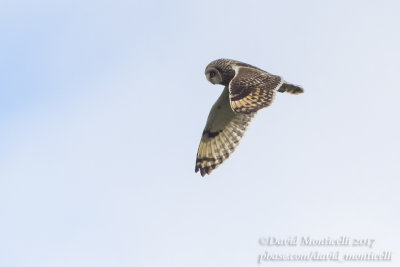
(220, 71)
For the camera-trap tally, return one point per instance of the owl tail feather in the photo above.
(291, 89)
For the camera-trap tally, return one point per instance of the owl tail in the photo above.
(291, 89)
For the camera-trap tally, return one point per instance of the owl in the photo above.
(247, 90)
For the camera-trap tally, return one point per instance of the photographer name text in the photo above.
(306, 241)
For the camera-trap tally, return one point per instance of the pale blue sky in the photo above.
(102, 105)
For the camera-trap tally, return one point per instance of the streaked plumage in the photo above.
(247, 90)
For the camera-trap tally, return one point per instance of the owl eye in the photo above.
(212, 74)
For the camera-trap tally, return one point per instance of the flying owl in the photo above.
(247, 90)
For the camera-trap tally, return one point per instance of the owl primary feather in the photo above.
(247, 90)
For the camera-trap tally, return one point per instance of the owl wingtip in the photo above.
(203, 170)
(291, 89)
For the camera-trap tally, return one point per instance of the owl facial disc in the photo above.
(213, 75)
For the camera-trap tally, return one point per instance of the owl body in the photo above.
(247, 90)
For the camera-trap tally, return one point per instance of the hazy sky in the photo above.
(102, 106)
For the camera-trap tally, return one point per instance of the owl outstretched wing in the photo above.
(222, 134)
(252, 89)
